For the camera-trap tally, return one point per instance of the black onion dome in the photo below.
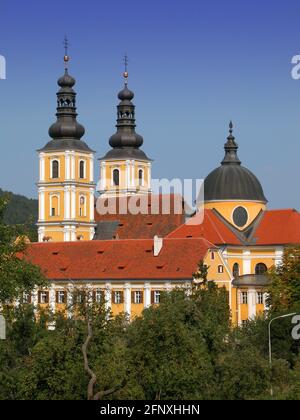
(126, 94)
(65, 128)
(66, 80)
(232, 181)
(126, 139)
(66, 132)
(126, 142)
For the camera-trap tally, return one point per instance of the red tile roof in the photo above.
(145, 226)
(211, 228)
(118, 259)
(277, 227)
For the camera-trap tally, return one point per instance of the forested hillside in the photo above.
(21, 211)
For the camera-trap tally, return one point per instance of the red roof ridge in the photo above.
(278, 210)
(215, 228)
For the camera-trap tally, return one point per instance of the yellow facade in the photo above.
(247, 301)
(134, 177)
(226, 209)
(66, 196)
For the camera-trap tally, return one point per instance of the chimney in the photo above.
(158, 244)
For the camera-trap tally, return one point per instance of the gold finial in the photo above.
(66, 56)
(125, 74)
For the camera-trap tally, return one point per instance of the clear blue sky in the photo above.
(194, 65)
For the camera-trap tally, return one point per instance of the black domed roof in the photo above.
(125, 94)
(66, 81)
(66, 132)
(232, 181)
(126, 142)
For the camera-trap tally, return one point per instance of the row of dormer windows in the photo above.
(97, 296)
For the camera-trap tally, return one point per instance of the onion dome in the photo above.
(66, 132)
(126, 142)
(232, 181)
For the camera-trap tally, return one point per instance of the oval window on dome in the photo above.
(240, 216)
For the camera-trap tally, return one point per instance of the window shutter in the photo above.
(39, 297)
(113, 297)
(142, 297)
(65, 297)
(94, 296)
(122, 297)
(47, 297)
(57, 301)
(152, 297)
(132, 297)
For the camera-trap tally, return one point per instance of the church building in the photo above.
(130, 259)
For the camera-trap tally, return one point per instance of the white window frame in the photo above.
(27, 297)
(61, 294)
(220, 269)
(244, 298)
(44, 297)
(138, 297)
(98, 296)
(117, 297)
(260, 298)
(157, 296)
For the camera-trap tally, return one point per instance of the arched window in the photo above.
(55, 169)
(261, 268)
(82, 206)
(81, 169)
(116, 177)
(54, 205)
(236, 270)
(141, 177)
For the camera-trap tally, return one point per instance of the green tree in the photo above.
(172, 346)
(284, 292)
(16, 274)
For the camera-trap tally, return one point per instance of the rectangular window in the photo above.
(43, 297)
(260, 298)
(244, 298)
(98, 296)
(220, 269)
(212, 255)
(61, 297)
(118, 298)
(156, 297)
(138, 297)
(26, 298)
(80, 297)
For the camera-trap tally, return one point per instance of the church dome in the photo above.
(126, 94)
(66, 81)
(232, 181)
